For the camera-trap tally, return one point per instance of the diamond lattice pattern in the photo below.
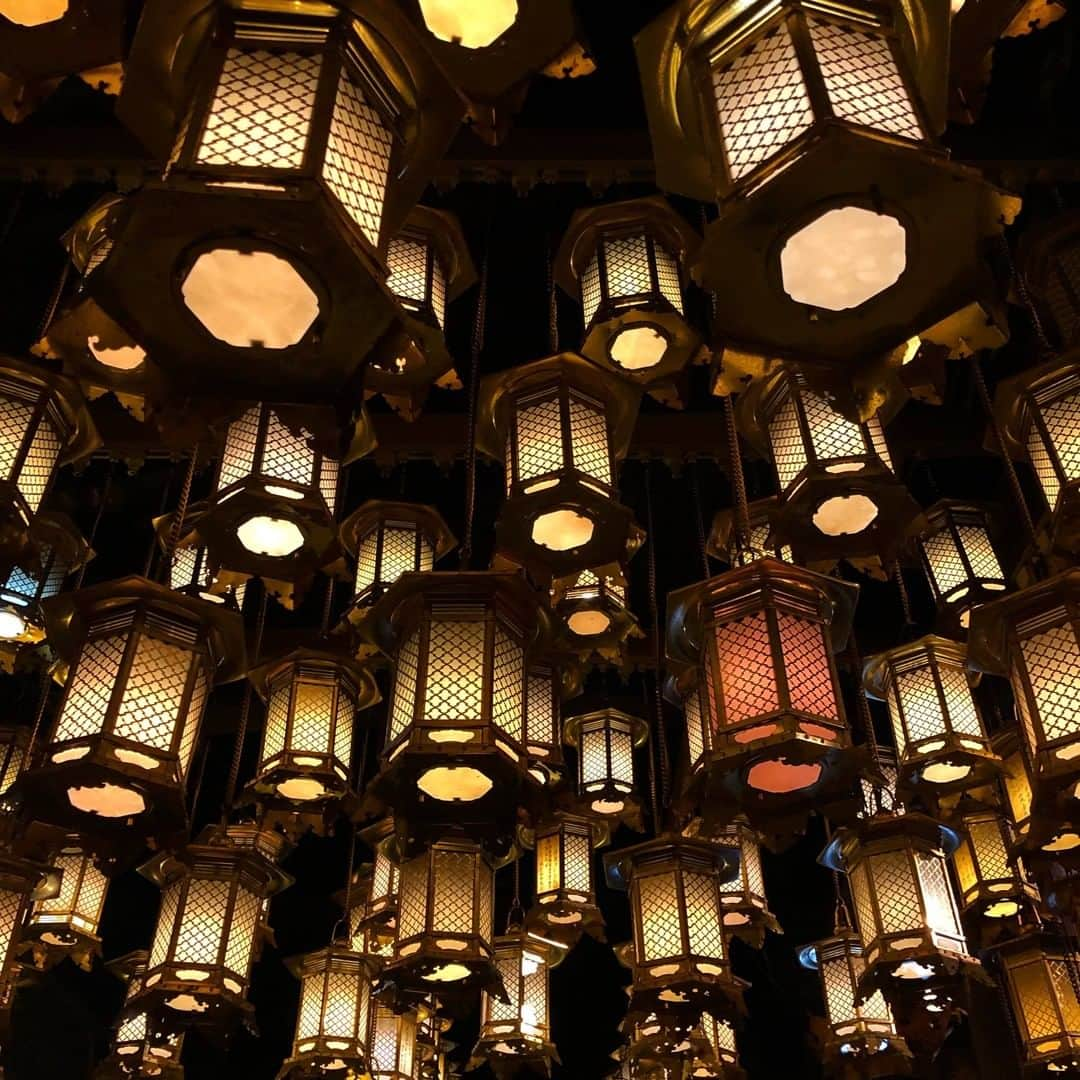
(941, 913)
(577, 862)
(245, 917)
(343, 724)
(238, 457)
(1043, 465)
(91, 687)
(366, 557)
(166, 921)
(704, 928)
(590, 289)
(762, 102)
(286, 456)
(1052, 660)
(989, 845)
(150, 706)
(313, 718)
(345, 1015)
(453, 912)
(658, 900)
(455, 675)
(407, 258)
(922, 706)
(309, 1018)
(405, 685)
(785, 437)
(806, 663)
(747, 679)
(1065, 991)
(202, 921)
(695, 730)
(897, 892)
(539, 437)
(833, 435)
(667, 274)
(946, 565)
(628, 273)
(10, 908)
(14, 421)
(277, 718)
(839, 990)
(507, 694)
(1062, 420)
(589, 438)
(413, 896)
(540, 720)
(1033, 987)
(863, 80)
(38, 466)
(398, 553)
(194, 718)
(980, 552)
(865, 918)
(962, 715)
(262, 110)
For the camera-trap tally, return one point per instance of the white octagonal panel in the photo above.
(33, 12)
(473, 24)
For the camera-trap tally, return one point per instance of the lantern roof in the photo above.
(335, 955)
(877, 673)
(1012, 397)
(573, 724)
(327, 655)
(386, 511)
(914, 827)
(685, 851)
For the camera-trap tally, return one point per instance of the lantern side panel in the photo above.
(91, 688)
(455, 676)
(405, 676)
(661, 934)
(806, 663)
(1052, 663)
(589, 438)
(152, 694)
(747, 678)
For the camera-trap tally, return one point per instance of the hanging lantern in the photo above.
(334, 1015)
(66, 925)
(388, 539)
(1049, 262)
(1015, 780)
(490, 52)
(444, 932)
(862, 1039)
(624, 261)
(660, 1050)
(546, 686)
(14, 744)
(373, 921)
(392, 1043)
(767, 728)
(560, 425)
(1040, 979)
(213, 900)
(141, 661)
(565, 904)
(839, 496)
(592, 608)
(192, 574)
(724, 540)
(678, 956)
(25, 879)
(431, 1046)
(455, 754)
(745, 906)
(605, 742)
(430, 265)
(722, 1062)
(959, 560)
(294, 153)
(843, 226)
(941, 744)
(515, 1034)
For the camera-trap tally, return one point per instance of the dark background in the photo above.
(62, 1020)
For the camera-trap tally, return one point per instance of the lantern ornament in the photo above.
(295, 153)
(678, 956)
(605, 741)
(141, 661)
(745, 906)
(392, 1043)
(559, 426)
(810, 127)
(305, 760)
(456, 754)
(839, 496)
(333, 1021)
(209, 927)
(624, 261)
(388, 539)
(767, 733)
(444, 930)
(862, 1038)
(593, 611)
(726, 544)
(941, 742)
(565, 904)
(959, 559)
(430, 265)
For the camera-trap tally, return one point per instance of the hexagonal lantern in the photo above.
(592, 608)
(193, 574)
(959, 559)
(429, 264)
(490, 51)
(605, 741)
(744, 903)
(941, 743)
(456, 752)
(724, 541)
(767, 728)
(839, 496)
(624, 260)
(304, 770)
(374, 898)
(392, 1043)
(560, 425)
(297, 142)
(214, 892)
(1049, 259)
(836, 206)
(141, 661)
(678, 955)
(722, 1060)
(25, 879)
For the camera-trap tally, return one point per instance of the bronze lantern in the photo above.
(214, 894)
(141, 661)
(391, 1043)
(430, 265)
(591, 606)
(624, 261)
(560, 425)
(726, 544)
(767, 725)
(959, 560)
(745, 906)
(941, 742)
(605, 741)
(25, 880)
(839, 494)
(298, 140)
(373, 920)
(843, 226)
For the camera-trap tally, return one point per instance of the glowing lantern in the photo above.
(455, 753)
(545, 687)
(624, 261)
(745, 905)
(767, 726)
(941, 743)
(312, 697)
(392, 1044)
(141, 662)
(565, 904)
(559, 426)
(24, 881)
(605, 743)
(861, 1030)
(429, 266)
(959, 560)
(293, 124)
(192, 574)
(334, 1016)
(678, 956)
(722, 1062)
(213, 900)
(593, 609)
(1015, 780)
(839, 496)
(811, 128)
(14, 742)
(724, 540)
(373, 919)
(444, 931)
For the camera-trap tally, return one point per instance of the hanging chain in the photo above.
(176, 526)
(516, 907)
(106, 490)
(658, 649)
(1022, 291)
(856, 664)
(245, 712)
(328, 607)
(905, 600)
(553, 307)
(699, 518)
(738, 480)
(43, 701)
(479, 331)
(654, 801)
(54, 300)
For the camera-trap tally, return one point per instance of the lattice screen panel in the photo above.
(150, 707)
(661, 932)
(747, 677)
(703, 924)
(455, 670)
(508, 686)
(453, 913)
(897, 892)
(407, 260)
(91, 687)
(405, 675)
(945, 561)
(589, 438)
(806, 662)
(590, 289)
(313, 718)
(785, 437)
(37, 468)
(941, 914)
(667, 275)
(202, 923)
(238, 456)
(1052, 660)
(628, 273)
(833, 435)
(539, 439)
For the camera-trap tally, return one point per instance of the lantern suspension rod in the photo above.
(856, 664)
(177, 523)
(54, 298)
(654, 802)
(328, 607)
(245, 712)
(479, 330)
(39, 715)
(348, 887)
(738, 480)
(654, 614)
(553, 307)
(905, 599)
(699, 519)
(1022, 291)
(515, 917)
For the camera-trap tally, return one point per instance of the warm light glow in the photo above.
(107, 800)
(283, 492)
(638, 347)
(473, 24)
(448, 973)
(301, 789)
(34, 12)
(843, 258)
(588, 623)
(125, 358)
(12, 625)
(845, 515)
(450, 784)
(912, 969)
(250, 299)
(263, 535)
(1001, 909)
(778, 777)
(945, 772)
(607, 806)
(1065, 841)
(562, 530)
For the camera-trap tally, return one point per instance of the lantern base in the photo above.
(88, 35)
(866, 1056)
(298, 800)
(565, 920)
(407, 361)
(324, 1060)
(174, 1005)
(962, 763)
(406, 984)
(595, 623)
(48, 945)
(513, 1055)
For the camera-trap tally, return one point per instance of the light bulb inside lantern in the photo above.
(33, 12)
(107, 800)
(638, 348)
(12, 625)
(275, 537)
(450, 784)
(588, 623)
(124, 358)
(562, 530)
(945, 772)
(845, 515)
(472, 24)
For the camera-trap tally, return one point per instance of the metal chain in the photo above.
(348, 888)
(245, 712)
(516, 907)
(328, 607)
(738, 480)
(1025, 296)
(553, 307)
(658, 650)
(867, 718)
(179, 514)
(54, 300)
(43, 700)
(479, 330)
(905, 600)
(654, 801)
